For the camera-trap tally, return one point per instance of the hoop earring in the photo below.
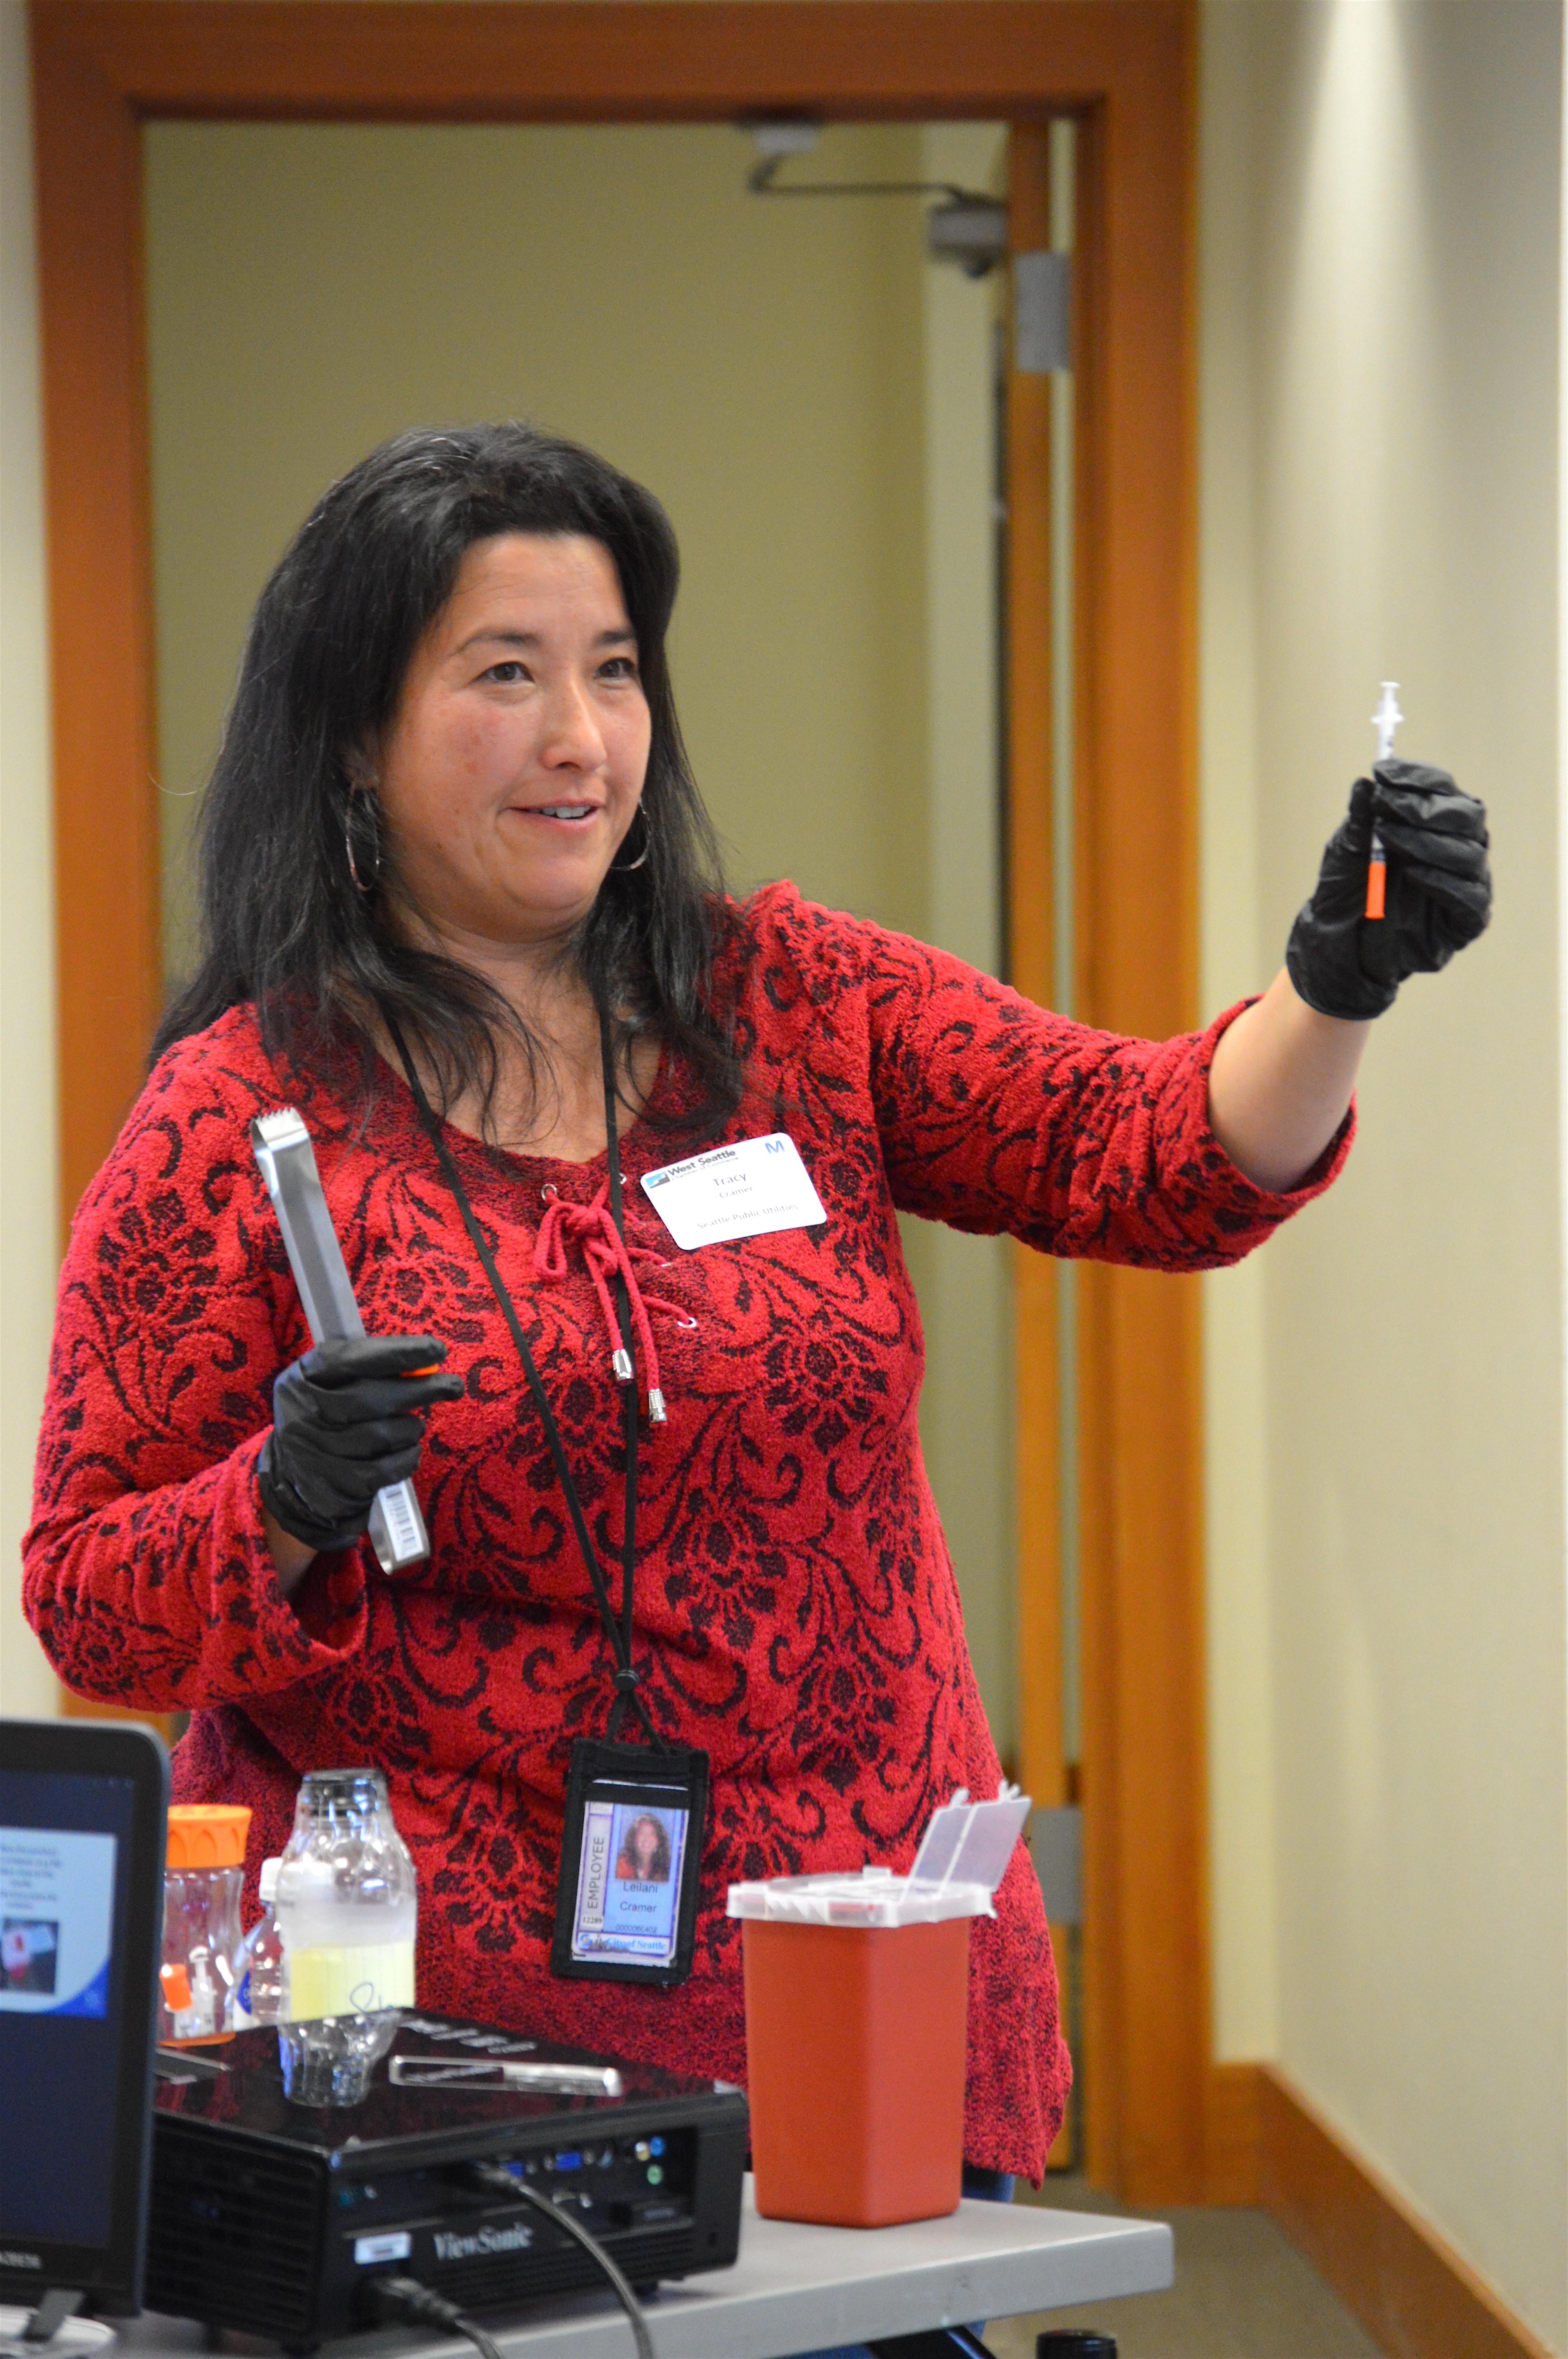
(624, 867)
(360, 884)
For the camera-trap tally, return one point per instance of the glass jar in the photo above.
(346, 1906)
(201, 1940)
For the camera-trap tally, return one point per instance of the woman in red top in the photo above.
(645, 1854)
(452, 811)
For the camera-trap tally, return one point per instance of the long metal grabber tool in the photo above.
(287, 1161)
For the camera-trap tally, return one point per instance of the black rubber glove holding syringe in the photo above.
(1404, 883)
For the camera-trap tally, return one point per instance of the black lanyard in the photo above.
(627, 1678)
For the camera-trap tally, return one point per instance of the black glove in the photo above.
(1438, 894)
(343, 1427)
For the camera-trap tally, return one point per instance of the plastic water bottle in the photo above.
(346, 1903)
(264, 1969)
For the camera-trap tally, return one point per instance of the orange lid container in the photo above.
(208, 1834)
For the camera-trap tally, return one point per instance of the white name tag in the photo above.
(746, 1191)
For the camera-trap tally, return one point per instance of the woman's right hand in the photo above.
(345, 1424)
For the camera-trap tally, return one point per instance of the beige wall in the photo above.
(1381, 345)
(27, 1179)
(808, 396)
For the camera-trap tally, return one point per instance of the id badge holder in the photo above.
(630, 1855)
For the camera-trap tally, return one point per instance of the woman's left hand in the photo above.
(1280, 1081)
(1437, 894)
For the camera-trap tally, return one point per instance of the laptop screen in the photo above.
(76, 1964)
(65, 1845)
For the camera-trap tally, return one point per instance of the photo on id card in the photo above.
(627, 1904)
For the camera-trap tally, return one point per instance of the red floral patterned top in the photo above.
(796, 1613)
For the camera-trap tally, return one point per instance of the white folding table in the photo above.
(799, 2288)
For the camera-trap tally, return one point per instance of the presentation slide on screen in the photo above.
(57, 1921)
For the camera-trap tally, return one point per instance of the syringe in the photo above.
(1385, 721)
(282, 1144)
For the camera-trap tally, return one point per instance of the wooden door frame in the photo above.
(1125, 68)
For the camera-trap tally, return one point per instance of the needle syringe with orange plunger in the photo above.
(1385, 721)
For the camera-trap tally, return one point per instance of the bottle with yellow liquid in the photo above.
(347, 1907)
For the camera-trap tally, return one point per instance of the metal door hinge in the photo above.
(1042, 311)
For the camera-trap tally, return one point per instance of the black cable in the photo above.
(403, 2301)
(496, 2179)
(624, 1692)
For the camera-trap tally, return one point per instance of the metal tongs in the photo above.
(482, 2072)
(282, 1146)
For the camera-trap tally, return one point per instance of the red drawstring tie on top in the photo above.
(605, 1255)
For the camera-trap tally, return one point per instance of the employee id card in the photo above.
(626, 1906)
(745, 1190)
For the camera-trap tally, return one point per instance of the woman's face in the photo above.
(513, 767)
(644, 1847)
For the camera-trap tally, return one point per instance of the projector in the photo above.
(275, 2217)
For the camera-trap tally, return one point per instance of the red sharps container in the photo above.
(857, 1991)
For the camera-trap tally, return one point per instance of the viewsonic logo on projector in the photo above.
(516, 2239)
(21, 2260)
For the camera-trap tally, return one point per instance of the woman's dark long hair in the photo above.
(282, 922)
(626, 1861)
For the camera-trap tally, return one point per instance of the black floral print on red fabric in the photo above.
(797, 1613)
